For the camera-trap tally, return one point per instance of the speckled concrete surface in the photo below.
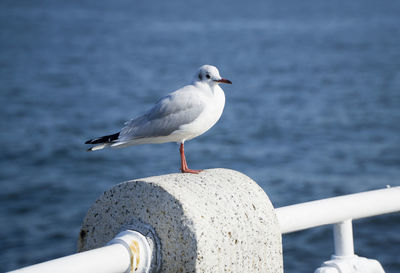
(217, 221)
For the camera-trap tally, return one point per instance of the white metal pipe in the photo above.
(343, 239)
(109, 259)
(336, 209)
(129, 251)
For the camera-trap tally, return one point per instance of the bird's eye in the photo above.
(200, 77)
(208, 76)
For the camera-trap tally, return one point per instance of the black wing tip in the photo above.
(103, 139)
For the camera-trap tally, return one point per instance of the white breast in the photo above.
(214, 106)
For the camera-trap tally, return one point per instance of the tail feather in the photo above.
(103, 141)
(98, 147)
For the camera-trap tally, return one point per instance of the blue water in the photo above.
(313, 112)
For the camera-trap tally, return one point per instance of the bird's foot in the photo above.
(187, 170)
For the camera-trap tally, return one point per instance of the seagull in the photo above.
(179, 116)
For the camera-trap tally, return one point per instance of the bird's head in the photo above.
(209, 74)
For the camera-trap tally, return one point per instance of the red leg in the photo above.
(184, 166)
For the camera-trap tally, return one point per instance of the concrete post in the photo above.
(217, 221)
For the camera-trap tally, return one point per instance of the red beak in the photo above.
(224, 81)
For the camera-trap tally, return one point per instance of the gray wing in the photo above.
(167, 115)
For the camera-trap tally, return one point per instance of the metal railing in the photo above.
(129, 251)
(337, 209)
(109, 259)
(340, 211)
